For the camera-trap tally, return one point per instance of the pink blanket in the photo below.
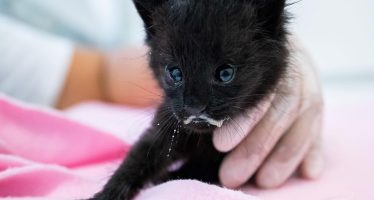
(50, 155)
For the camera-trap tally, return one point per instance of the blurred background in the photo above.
(38, 39)
(339, 38)
(339, 35)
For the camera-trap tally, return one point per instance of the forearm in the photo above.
(84, 80)
(121, 78)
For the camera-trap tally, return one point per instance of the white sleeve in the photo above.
(33, 64)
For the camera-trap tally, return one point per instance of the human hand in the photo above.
(280, 136)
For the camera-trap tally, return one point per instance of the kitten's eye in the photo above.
(225, 73)
(174, 73)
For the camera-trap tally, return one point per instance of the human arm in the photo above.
(122, 77)
(48, 70)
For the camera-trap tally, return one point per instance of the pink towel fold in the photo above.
(47, 155)
(39, 148)
(48, 137)
(44, 155)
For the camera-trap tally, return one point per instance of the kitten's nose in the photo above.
(194, 110)
(194, 106)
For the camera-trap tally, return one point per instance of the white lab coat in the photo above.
(37, 39)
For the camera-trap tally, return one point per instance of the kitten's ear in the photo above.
(271, 13)
(145, 9)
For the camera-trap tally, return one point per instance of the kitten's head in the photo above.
(215, 58)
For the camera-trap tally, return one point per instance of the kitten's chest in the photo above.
(197, 146)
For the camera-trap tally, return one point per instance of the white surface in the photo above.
(338, 34)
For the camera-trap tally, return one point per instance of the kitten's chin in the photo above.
(200, 128)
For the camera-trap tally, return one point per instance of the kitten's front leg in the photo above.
(146, 161)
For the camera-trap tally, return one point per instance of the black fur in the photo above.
(198, 36)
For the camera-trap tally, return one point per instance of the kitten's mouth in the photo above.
(203, 119)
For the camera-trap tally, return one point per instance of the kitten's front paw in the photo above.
(107, 197)
(99, 196)
(125, 194)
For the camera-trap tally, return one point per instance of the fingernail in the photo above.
(232, 173)
(269, 178)
(235, 172)
(316, 167)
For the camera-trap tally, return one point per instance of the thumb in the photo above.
(232, 133)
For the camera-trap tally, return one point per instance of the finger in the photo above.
(290, 150)
(245, 159)
(231, 134)
(313, 163)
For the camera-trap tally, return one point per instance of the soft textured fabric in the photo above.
(98, 23)
(29, 59)
(47, 155)
(40, 152)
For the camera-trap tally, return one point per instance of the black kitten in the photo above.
(213, 59)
